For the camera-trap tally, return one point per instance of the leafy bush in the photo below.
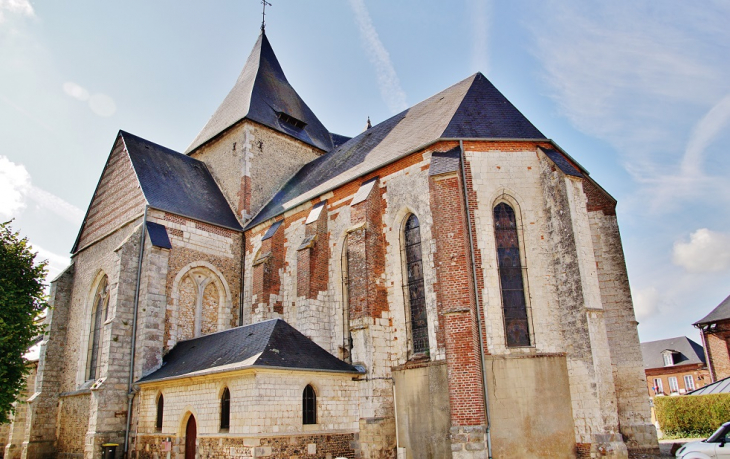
(692, 415)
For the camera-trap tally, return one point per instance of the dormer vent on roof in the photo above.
(263, 94)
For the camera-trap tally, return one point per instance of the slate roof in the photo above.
(721, 312)
(260, 93)
(272, 343)
(562, 163)
(472, 108)
(689, 352)
(176, 183)
(718, 387)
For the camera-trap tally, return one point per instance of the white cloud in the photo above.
(100, 104)
(16, 189)
(480, 12)
(76, 91)
(637, 76)
(646, 303)
(704, 133)
(20, 7)
(390, 89)
(14, 185)
(706, 251)
(56, 263)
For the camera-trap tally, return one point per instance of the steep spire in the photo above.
(263, 94)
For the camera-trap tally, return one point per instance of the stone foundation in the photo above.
(320, 446)
(469, 442)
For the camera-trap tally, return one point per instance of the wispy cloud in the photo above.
(100, 104)
(56, 263)
(646, 302)
(16, 189)
(706, 251)
(639, 76)
(480, 15)
(19, 7)
(390, 88)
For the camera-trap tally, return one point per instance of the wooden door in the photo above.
(191, 432)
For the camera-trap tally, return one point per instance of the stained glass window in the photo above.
(98, 316)
(160, 411)
(510, 277)
(416, 291)
(226, 409)
(309, 406)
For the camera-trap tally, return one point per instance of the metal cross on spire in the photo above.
(263, 15)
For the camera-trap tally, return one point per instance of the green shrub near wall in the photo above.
(692, 415)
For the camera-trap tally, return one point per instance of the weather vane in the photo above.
(263, 14)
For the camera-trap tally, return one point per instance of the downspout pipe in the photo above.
(130, 392)
(707, 352)
(477, 302)
(243, 265)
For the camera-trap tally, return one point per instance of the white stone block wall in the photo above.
(263, 403)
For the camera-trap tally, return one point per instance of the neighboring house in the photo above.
(674, 366)
(715, 329)
(282, 291)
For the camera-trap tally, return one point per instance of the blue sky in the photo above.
(637, 91)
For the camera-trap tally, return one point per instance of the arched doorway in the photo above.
(191, 432)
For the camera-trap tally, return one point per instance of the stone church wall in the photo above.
(266, 414)
(200, 253)
(250, 162)
(623, 338)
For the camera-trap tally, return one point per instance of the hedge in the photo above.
(692, 415)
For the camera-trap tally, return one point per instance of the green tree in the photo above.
(21, 302)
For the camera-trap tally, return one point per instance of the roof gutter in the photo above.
(214, 371)
(130, 392)
(485, 392)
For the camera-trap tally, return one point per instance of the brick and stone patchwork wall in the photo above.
(318, 446)
(201, 278)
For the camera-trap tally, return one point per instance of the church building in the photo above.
(447, 283)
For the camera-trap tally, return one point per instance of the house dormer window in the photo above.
(668, 358)
(290, 120)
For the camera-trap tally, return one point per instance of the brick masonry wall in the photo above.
(698, 372)
(718, 349)
(117, 199)
(456, 305)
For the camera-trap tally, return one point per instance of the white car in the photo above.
(715, 447)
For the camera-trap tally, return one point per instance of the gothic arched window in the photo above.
(160, 411)
(309, 406)
(98, 316)
(225, 409)
(514, 304)
(415, 286)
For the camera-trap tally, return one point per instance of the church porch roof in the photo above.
(270, 344)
